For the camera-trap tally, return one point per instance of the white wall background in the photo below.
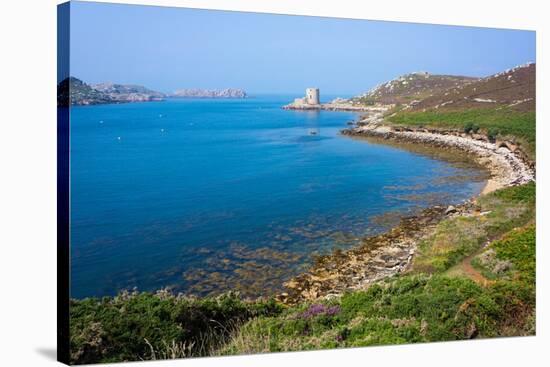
(28, 181)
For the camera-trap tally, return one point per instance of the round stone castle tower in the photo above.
(312, 96)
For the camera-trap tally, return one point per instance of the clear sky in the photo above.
(171, 48)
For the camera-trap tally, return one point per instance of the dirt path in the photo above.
(465, 268)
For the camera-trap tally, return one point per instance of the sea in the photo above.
(206, 196)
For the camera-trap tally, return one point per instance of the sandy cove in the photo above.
(390, 253)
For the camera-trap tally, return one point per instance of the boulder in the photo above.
(450, 210)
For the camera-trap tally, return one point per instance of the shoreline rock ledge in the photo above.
(376, 258)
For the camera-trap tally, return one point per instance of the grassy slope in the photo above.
(424, 305)
(409, 87)
(458, 237)
(500, 105)
(501, 121)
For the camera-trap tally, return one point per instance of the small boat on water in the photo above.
(313, 132)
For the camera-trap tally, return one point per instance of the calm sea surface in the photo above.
(203, 196)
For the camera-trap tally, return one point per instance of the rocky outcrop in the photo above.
(210, 93)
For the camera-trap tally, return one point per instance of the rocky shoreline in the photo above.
(388, 254)
(335, 106)
(505, 160)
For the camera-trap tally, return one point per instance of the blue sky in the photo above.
(170, 48)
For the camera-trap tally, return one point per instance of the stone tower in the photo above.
(312, 96)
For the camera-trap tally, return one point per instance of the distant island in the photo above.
(210, 93)
(128, 92)
(73, 91)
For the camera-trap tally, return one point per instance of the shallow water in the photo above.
(203, 196)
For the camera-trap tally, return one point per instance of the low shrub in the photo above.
(151, 326)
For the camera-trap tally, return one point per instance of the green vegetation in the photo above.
(517, 194)
(519, 248)
(470, 127)
(512, 257)
(409, 309)
(427, 304)
(456, 238)
(494, 122)
(135, 326)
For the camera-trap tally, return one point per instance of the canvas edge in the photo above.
(63, 186)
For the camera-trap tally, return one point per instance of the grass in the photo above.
(134, 326)
(456, 238)
(512, 257)
(409, 309)
(503, 121)
(518, 247)
(421, 306)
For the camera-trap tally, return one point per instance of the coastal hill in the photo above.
(514, 88)
(209, 93)
(129, 92)
(411, 87)
(500, 106)
(76, 92)
(405, 90)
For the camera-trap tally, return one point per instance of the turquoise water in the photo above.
(203, 196)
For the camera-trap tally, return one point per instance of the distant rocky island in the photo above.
(128, 92)
(210, 93)
(73, 91)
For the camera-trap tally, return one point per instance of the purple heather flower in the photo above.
(331, 311)
(320, 309)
